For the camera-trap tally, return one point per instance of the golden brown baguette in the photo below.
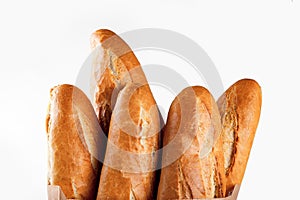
(114, 66)
(239, 108)
(73, 143)
(193, 163)
(131, 158)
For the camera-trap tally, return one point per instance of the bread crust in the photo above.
(193, 126)
(131, 160)
(73, 144)
(114, 66)
(239, 108)
(117, 72)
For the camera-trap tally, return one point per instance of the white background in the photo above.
(44, 43)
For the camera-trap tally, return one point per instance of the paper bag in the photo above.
(55, 193)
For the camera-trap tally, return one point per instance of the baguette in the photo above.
(193, 163)
(73, 143)
(114, 66)
(130, 161)
(239, 108)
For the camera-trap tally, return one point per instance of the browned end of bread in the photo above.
(114, 66)
(193, 163)
(239, 108)
(73, 143)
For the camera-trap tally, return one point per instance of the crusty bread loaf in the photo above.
(239, 108)
(114, 66)
(73, 143)
(193, 163)
(131, 158)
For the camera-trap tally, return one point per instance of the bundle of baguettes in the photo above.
(206, 144)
